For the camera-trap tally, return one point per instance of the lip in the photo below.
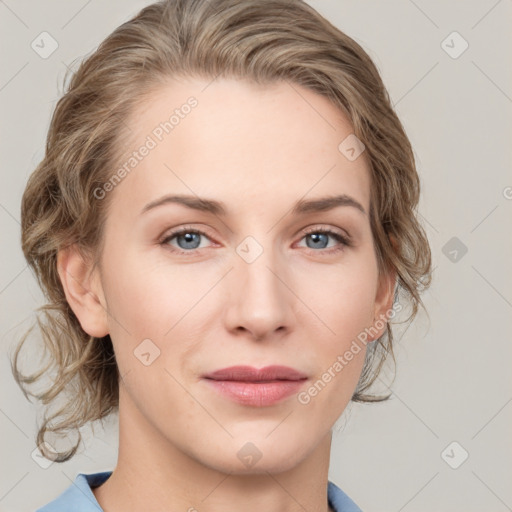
(251, 374)
(249, 386)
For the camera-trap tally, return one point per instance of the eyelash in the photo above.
(345, 241)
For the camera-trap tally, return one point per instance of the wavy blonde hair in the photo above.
(263, 41)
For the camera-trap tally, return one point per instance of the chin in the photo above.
(256, 455)
(278, 463)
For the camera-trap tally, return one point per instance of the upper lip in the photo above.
(251, 374)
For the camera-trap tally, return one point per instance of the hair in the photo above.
(262, 41)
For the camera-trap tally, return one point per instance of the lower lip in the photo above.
(258, 394)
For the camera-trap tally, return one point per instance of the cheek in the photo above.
(168, 304)
(147, 298)
(341, 298)
(345, 305)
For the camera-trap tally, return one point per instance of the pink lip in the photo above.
(250, 386)
(251, 374)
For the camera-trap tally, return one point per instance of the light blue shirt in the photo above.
(79, 497)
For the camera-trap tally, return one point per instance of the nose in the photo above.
(260, 301)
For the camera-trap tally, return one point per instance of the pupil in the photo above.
(318, 237)
(189, 239)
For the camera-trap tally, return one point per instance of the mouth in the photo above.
(251, 374)
(252, 387)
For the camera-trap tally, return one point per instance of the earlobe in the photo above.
(83, 290)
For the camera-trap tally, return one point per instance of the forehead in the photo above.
(237, 141)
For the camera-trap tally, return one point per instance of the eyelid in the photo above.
(187, 228)
(328, 229)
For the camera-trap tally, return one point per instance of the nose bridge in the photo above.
(261, 302)
(259, 265)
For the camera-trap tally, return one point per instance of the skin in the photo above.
(301, 304)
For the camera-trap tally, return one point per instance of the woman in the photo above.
(224, 223)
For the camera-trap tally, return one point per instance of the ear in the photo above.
(84, 293)
(384, 297)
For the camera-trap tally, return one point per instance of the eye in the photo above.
(187, 239)
(319, 238)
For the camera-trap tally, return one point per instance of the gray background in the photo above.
(454, 378)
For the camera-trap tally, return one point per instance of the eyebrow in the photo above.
(302, 206)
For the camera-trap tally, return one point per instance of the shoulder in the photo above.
(339, 501)
(78, 497)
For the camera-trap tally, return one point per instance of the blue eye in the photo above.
(188, 240)
(320, 237)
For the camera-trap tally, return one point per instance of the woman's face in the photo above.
(252, 280)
